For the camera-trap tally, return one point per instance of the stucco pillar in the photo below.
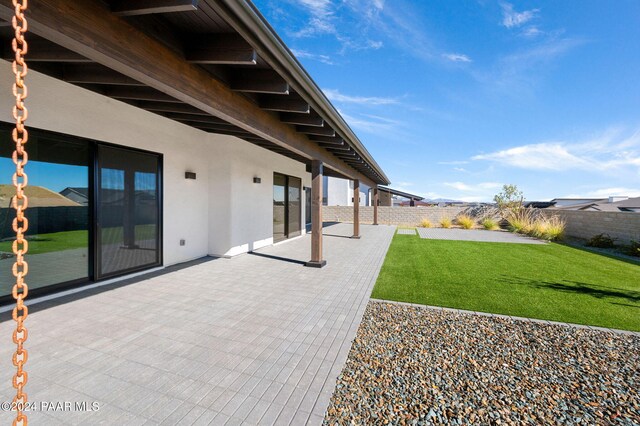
(316, 215)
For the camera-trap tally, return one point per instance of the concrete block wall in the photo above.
(404, 216)
(624, 226)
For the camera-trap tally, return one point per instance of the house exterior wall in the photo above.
(245, 221)
(221, 212)
(340, 192)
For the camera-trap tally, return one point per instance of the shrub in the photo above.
(633, 249)
(520, 220)
(445, 222)
(538, 229)
(554, 228)
(465, 221)
(524, 221)
(489, 224)
(601, 241)
(426, 223)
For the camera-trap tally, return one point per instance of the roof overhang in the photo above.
(400, 193)
(215, 65)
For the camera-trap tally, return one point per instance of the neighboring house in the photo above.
(79, 195)
(183, 149)
(570, 202)
(629, 205)
(38, 196)
(339, 192)
(611, 204)
(393, 197)
(539, 204)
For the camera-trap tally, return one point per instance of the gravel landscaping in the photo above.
(412, 365)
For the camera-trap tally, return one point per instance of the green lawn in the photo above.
(551, 281)
(57, 241)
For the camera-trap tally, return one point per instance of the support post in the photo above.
(376, 201)
(316, 215)
(356, 208)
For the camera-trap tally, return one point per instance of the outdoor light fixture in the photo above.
(189, 175)
(256, 179)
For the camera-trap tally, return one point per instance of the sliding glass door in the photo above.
(58, 210)
(287, 211)
(94, 210)
(128, 226)
(294, 203)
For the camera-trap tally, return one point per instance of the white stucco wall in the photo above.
(222, 212)
(245, 222)
(340, 192)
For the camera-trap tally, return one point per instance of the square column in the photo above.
(356, 209)
(316, 215)
(376, 201)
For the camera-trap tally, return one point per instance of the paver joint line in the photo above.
(257, 324)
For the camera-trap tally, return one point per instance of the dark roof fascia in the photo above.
(245, 13)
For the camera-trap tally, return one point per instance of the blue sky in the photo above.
(456, 98)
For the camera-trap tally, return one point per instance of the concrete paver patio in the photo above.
(476, 235)
(257, 339)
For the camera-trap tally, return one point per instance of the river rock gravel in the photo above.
(413, 366)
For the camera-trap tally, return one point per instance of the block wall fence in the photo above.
(624, 226)
(404, 216)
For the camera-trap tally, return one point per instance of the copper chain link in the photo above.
(20, 203)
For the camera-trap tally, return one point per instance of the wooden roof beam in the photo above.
(42, 50)
(302, 119)
(147, 7)
(334, 140)
(259, 81)
(195, 118)
(171, 108)
(221, 49)
(285, 105)
(137, 93)
(95, 74)
(318, 131)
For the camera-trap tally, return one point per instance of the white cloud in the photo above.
(303, 54)
(374, 125)
(611, 152)
(461, 169)
(321, 18)
(531, 32)
(456, 57)
(513, 19)
(477, 188)
(335, 96)
(453, 163)
(543, 156)
(518, 72)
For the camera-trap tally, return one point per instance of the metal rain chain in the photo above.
(20, 202)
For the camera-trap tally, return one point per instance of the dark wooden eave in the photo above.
(194, 62)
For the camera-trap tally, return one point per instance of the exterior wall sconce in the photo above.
(256, 179)
(189, 175)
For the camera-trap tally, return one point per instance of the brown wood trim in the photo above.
(147, 7)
